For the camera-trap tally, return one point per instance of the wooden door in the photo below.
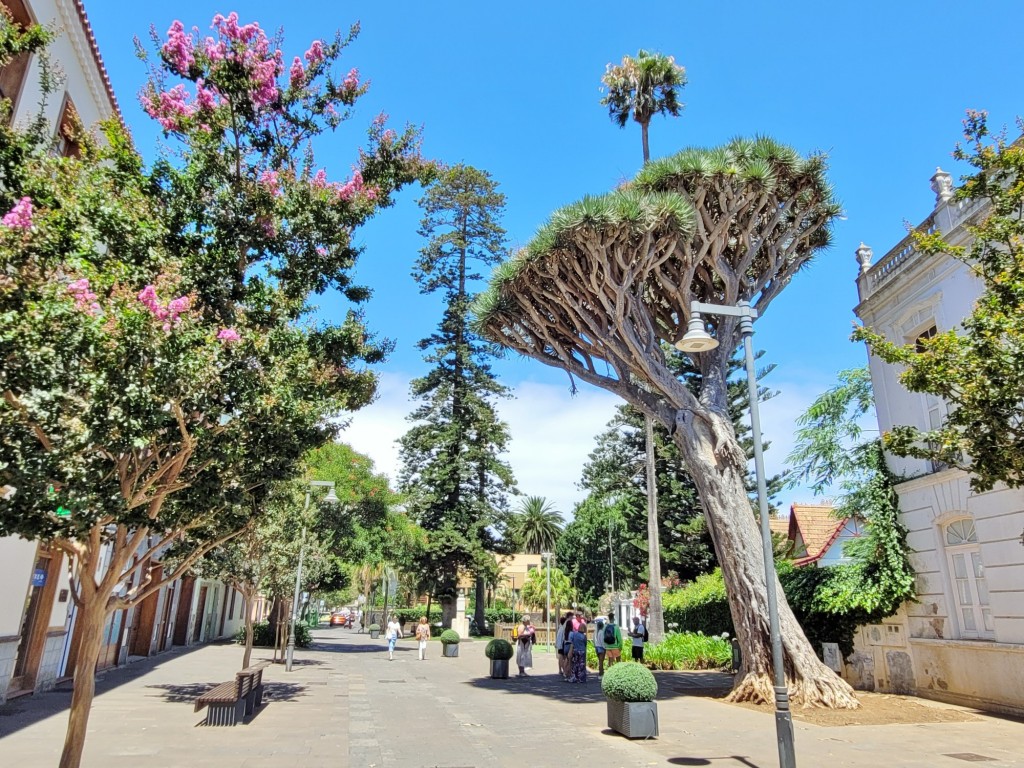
(145, 620)
(188, 584)
(35, 620)
(163, 628)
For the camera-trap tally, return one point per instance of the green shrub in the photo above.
(499, 649)
(262, 637)
(701, 606)
(450, 637)
(627, 681)
(412, 615)
(689, 650)
(374, 628)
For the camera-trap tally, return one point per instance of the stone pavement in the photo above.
(345, 704)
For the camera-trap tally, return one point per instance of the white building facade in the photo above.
(962, 640)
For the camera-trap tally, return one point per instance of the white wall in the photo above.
(17, 561)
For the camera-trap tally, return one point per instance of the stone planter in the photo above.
(634, 719)
(374, 634)
(499, 669)
(451, 650)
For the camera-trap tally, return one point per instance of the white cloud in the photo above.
(552, 433)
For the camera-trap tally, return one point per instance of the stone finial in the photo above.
(942, 186)
(864, 256)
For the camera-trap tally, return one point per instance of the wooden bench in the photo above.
(232, 701)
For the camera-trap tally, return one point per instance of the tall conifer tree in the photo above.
(451, 458)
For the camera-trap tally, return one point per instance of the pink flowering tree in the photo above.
(161, 371)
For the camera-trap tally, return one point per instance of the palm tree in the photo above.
(643, 87)
(536, 525)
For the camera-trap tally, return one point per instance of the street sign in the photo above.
(38, 577)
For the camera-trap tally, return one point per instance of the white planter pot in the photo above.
(374, 634)
(634, 719)
(451, 650)
(499, 669)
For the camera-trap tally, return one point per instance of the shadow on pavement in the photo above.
(671, 685)
(710, 760)
(189, 692)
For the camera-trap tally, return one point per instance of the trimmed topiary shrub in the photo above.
(499, 649)
(628, 681)
(450, 637)
(374, 628)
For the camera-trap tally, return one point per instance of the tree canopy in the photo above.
(978, 369)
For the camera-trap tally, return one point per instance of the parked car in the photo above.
(339, 619)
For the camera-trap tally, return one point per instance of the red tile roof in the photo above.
(818, 528)
(87, 28)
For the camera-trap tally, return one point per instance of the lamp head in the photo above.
(331, 497)
(697, 339)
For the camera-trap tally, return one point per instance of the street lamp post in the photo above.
(331, 498)
(547, 614)
(697, 339)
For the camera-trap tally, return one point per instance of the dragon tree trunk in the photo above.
(718, 469)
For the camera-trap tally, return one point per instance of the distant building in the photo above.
(816, 534)
(962, 640)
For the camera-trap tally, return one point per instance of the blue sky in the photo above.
(514, 88)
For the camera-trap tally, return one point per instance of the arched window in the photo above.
(968, 577)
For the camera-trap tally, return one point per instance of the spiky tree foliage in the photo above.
(535, 591)
(535, 526)
(610, 279)
(978, 368)
(641, 88)
(452, 470)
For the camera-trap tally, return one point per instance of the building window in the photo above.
(970, 591)
(12, 77)
(68, 130)
(919, 342)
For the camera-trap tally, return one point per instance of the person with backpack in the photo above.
(639, 635)
(612, 640)
(525, 636)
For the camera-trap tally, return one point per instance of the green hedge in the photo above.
(492, 615)
(701, 606)
(262, 636)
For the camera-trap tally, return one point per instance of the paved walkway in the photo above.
(345, 704)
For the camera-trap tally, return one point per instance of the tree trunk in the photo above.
(717, 466)
(447, 610)
(643, 138)
(89, 627)
(248, 596)
(655, 620)
(481, 599)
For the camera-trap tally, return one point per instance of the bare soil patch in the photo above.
(876, 709)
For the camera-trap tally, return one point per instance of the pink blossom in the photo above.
(20, 216)
(371, 193)
(206, 98)
(85, 299)
(320, 179)
(270, 180)
(351, 187)
(297, 73)
(228, 335)
(179, 306)
(315, 54)
(351, 81)
(170, 108)
(178, 48)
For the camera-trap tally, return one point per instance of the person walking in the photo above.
(526, 636)
(599, 648)
(422, 635)
(561, 644)
(578, 654)
(612, 640)
(393, 632)
(639, 635)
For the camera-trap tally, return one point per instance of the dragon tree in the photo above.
(608, 283)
